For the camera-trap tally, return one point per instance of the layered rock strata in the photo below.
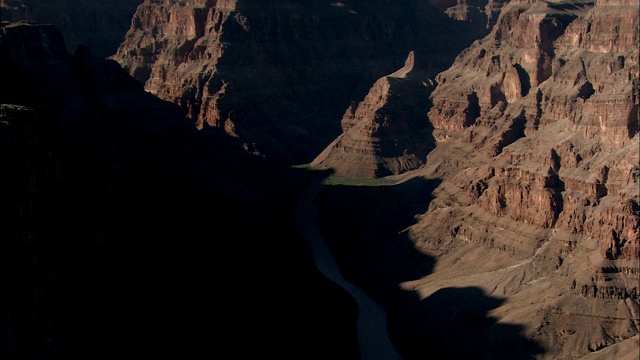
(279, 74)
(549, 100)
(536, 150)
(564, 105)
(387, 132)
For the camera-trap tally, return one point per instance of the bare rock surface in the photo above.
(279, 74)
(490, 204)
(387, 133)
(535, 205)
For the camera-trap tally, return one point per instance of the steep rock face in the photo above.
(386, 133)
(100, 25)
(527, 196)
(548, 101)
(482, 12)
(127, 233)
(536, 165)
(572, 99)
(278, 74)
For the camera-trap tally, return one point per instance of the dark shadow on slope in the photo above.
(223, 270)
(512, 134)
(454, 323)
(364, 226)
(99, 24)
(525, 80)
(361, 225)
(634, 121)
(129, 234)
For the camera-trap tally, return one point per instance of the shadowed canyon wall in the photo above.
(128, 233)
(280, 74)
(100, 25)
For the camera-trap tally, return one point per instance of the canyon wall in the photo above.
(128, 233)
(537, 137)
(100, 25)
(532, 136)
(279, 75)
(554, 93)
(527, 139)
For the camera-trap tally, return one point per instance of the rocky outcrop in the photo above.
(387, 132)
(101, 25)
(482, 12)
(526, 196)
(552, 87)
(279, 74)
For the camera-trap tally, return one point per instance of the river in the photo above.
(373, 338)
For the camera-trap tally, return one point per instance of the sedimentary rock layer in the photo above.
(387, 133)
(554, 91)
(279, 74)
(536, 204)
(549, 102)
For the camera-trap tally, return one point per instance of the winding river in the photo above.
(373, 339)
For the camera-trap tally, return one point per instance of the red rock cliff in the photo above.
(386, 133)
(537, 140)
(277, 74)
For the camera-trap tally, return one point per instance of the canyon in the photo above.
(476, 166)
(274, 73)
(537, 201)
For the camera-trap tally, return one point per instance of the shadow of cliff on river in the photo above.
(365, 227)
